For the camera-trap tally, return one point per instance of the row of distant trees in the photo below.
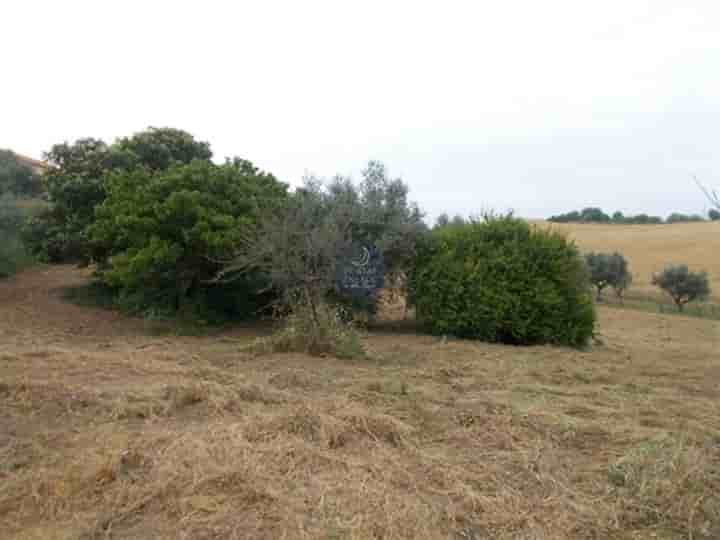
(611, 270)
(596, 215)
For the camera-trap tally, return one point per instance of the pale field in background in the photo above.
(649, 248)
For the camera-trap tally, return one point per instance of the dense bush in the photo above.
(77, 182)
(158, 148)
(677, 217)
(501, 280)
(609, 270)
(17, 179)
(160, 237)
(13, 254)
(682, 285)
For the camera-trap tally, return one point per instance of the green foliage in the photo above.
(444, 220)
(587, 215)
(677, 217)
(299, 248)
(609, 270)
(52, 240)
(596, 215)
(158, 148)
(13, 255)
(682, 285)
(159, 238)
(502, 281)
(17, 179)
(77, 185)
(382, 215)
(714, 215)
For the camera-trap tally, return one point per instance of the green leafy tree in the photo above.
(13, 215)
(77, 185)
(713, 214)
(682, 285)
(158, 148)
(609, 270)
(16, 178)
(501, 280)
(160, 237)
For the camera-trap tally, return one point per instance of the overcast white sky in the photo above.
(541, 107)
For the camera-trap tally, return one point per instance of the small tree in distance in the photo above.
(682, 285)
(609, 270)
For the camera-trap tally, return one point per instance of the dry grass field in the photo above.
(111, 431)
(650, 247)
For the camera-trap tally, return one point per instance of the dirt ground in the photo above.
(108, 430)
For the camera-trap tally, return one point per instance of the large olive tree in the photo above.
(302, 248)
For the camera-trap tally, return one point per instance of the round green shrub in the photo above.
(501, 280)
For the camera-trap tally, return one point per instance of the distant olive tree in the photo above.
(713, 214)
(682, 285)
(677, 217)
(609, 270)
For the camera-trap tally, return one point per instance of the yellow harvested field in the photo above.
(649, 248)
